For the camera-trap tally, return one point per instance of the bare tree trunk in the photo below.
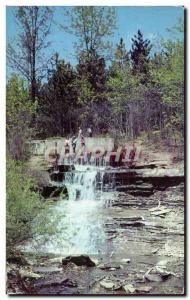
(131, 119)
(33, 75)
(34, 22)
(161, 123)
(126, 124)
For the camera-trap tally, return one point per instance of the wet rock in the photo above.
(107, 285)
(56, 281)
(153, 277)
(109, 266)
(15, 257)
(162, 263)
(29, 274)
(47, 269)
(129, 288)
(55, 260)
(157, 274)
(133, 224)
(130, 219)
(125, 260)
(96, 261)
(160, 212)
(143, 289)
(139, 278)
(10, 267)
(154, 208)
(163, 273)
(110, 283)
(155, 250)
(79, 260)
(112, 237)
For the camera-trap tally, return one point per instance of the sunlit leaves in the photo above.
(92, 25)
(19, 112)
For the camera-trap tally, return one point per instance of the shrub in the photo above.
(23, 202)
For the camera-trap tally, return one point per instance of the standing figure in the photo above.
(80, 133)
(89, 131)
(67, 146)
(74, 143)
(82, 141)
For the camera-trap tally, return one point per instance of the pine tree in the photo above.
(57, 100)
(93, 66)
(121, 56)
(92, 77)
(140, 55)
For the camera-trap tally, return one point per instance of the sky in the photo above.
(153, 22)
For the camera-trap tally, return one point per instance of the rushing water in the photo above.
(73, 225)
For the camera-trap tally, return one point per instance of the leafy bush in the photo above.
(23, 202)
(20, 112)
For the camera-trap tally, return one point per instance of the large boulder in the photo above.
(79, 260)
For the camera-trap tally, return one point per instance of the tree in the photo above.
(26, 55)
(73, 98)
(140, 56)
(93, 67)
(92, 74)
(57, 114)
(92, 25)
(122, 86)
(121, 55)
(19, 113)
(168, 79)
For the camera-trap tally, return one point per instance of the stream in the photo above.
(127, 234)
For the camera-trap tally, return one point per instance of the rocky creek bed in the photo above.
(143, 252)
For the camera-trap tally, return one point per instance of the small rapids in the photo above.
(81, 185)
(74, 225)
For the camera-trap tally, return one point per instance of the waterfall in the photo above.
(81, 184)
(73, 226)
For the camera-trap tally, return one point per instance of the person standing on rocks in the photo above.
(74, 143)
(80, 133)
(89, 131)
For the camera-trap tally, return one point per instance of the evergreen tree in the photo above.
(92, 76)
(121, 55)
(58, 101)
(140, 56)
(93, 66)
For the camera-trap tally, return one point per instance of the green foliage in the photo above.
(140, 55)
(93, 70)
(57, 101)
(23, 202)
(19, 112)
(91, 97)
(139, 91)
(122, 93)
(147, 93)
(86, 94)
(92, 25)
(121, 55)
(169, 82)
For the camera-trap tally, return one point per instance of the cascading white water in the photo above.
(76, 223)
(81, 184)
